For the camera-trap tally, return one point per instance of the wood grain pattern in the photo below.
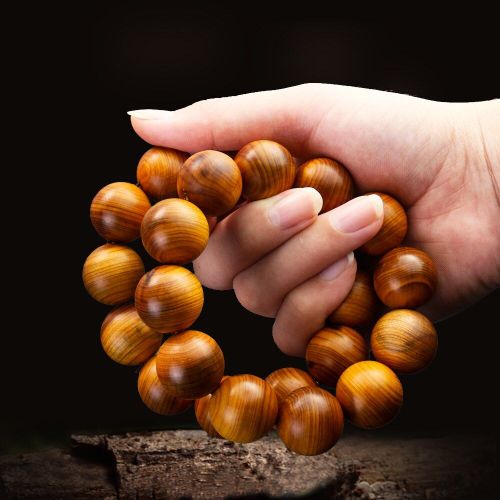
(169, 298)
(202, 416)
(404, 340)
(117, 210)
(190, 364)
(174, 231)
(370, 394)
(267, 168)
(243, 409)
(212, 181)
(330, 178)
(286, 380)
(126, 339)
(311, 421)
(111, 273)
(405, 278)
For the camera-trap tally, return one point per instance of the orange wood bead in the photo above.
(370, 394)
(154, 395)
(174, 231)
(212, 181)
(190, 364)
(117, 210)
(329, 178)
(243, 409)
(169, 298)
(404, 340)
(393, 230)
(286, 380)
(201, 413)
(311, 421)
(111, 273)
(405, 277)
(126, 339)
(157, 172)
(267, 168)
(332, 350)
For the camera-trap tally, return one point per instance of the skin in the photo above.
(441, 160)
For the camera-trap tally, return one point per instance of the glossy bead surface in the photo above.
(111, 273)
(157, 172)
(169, 298)
(405, 277)
(286, 380)
(126, 339)
(117, 210)
(404, 340)
(212, 181)
(332, 350)
(190, 364)
(370, 394)
(267, 168)
(243, 409)
(201, 413)
(311, 421)
(174, 231)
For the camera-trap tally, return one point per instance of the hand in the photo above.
(441, 160)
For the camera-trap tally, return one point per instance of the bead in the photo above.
(169, 298)
(201, 413)
(404, 340)
(360, 306)
(405, 277)
(332, 350)
(174, 231)
(126, 339)
(212, 181)
(370, 394)
(267, 168)
(329, 178)
(154, 395)
(111, 273)
(311, 421)
(117, 210)
(190, 364)
(286, 380)
(243, 409)
(393, 230)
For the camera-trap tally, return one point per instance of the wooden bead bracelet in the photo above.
(189, 365)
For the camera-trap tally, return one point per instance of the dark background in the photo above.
(85, 69)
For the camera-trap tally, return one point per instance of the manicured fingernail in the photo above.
(336, 269)
(298, 205)
(357, 214)
(149, 114)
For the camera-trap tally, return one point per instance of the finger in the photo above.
(305, 309)
(262, 287)
(252, 231)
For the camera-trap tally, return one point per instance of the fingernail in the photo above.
(336, 269)
(357, 214)
(149, 114)
(297, 206)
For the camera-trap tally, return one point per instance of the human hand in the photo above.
(441, 160)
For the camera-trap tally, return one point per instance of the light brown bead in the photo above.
(201, 413)
(286, 380)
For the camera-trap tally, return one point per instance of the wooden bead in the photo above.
(311, 421)
(332, 350)
(157, 172)
(405, 277)
(286, 380)
(329, 178)
(126, 339)
(174, 231)
(117, 210)
(370, 394)
(404, 340)
(201, 413)
(154, 395)
(212, 181)
(360, 306)
(393, 230)
(111, 273)
(243, 409)
(169, 298)
(190, 364)
(267, 168)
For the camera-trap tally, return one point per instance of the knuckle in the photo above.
(250, 295)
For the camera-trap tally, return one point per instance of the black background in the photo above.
(84, 70)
